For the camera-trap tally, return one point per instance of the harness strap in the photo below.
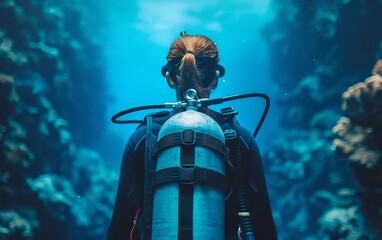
(188, 175)
(186, 191)
(189, 137)
(148, 171)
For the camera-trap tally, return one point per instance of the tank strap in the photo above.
(186, 191)
(157, 117)
(188, 175)
(189, 137)
(149, 169)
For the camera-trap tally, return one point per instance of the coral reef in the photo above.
(302, 171)
(13, 226)
(349, 218)
(359, 132)
(55, 194)
(52, 185)
(316, 35)
(338, 224)
(377, 70)
(316, 63)
(44, 40)
(353, 141)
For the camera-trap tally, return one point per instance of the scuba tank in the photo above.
(189, 201)
(188, 181)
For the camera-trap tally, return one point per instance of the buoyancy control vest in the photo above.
(184, 187)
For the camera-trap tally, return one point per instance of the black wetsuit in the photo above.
(132, 172)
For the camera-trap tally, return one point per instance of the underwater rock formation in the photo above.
(360, 130)
(56, 194)
(359, 139)
(347, 222)
(52, 185)
(12, 226)
(303, 178)
(55, 44)
(315, 62)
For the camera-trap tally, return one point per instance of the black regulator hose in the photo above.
(244, 213)
(241, 96)
(115, 117)
(203, 103)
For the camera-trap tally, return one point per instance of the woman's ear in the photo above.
(170, 82)
(214, 83)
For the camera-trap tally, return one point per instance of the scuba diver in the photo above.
(165, 191)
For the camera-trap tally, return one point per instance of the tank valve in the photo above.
(190, 94)
(191, 97)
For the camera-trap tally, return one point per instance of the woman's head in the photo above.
(193, 62)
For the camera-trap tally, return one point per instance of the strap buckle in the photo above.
(187, 174)
(228, 111)
(230, 134)
(188, 137)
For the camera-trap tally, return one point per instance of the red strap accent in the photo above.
(135, 224)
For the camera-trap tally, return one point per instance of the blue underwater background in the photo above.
(67, 66)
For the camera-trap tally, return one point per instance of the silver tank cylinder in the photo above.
(208, 209)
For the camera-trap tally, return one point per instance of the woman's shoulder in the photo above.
(136, 138)
(157, 121)
(247, 137)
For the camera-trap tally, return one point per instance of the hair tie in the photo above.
(190, 51)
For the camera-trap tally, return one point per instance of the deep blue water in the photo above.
(56, 125)
(141, 32)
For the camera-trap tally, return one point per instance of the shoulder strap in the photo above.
(148, 170)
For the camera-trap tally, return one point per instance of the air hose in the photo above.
(200, 103)
(115, 117)
(243, 213)
(245, 230)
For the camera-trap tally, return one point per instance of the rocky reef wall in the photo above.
(326, 184)
(52, 98)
